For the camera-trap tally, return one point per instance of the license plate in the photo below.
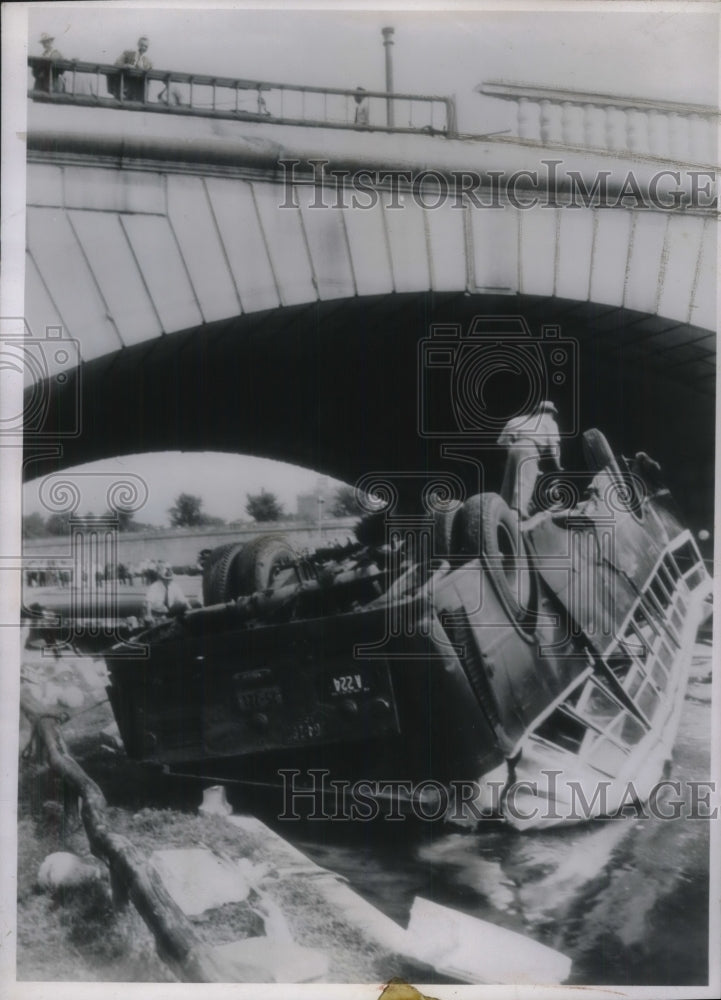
(351, 683)
(258, 700)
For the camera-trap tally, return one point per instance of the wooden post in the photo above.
(131, 875)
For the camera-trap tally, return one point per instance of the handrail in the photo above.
(518, 91)
(666, 129)
(66, 81)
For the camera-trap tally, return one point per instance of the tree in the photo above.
(345, 502)
(34, 526)
(126, 520)
(263, 506)
(58, 524)
(186, 513)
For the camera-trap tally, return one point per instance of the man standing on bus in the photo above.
(530, 438)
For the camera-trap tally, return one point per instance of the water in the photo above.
(626, 900)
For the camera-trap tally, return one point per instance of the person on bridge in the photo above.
(361, 109)
(133, 86)
(165, 597)
(45, 76)
(530, 438)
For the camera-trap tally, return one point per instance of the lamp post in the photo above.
(321, 501)
(388, 45)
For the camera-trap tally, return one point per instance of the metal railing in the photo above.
(667, 129)
(63, 81)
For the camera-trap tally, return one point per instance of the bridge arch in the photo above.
(219, 306)
(339, 387)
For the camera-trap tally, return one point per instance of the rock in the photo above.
(266, 960)
(31, 674)
(215, 802)
(50, 694)
(94, 673)
(65, 871)
(34, 688)
(71, 696)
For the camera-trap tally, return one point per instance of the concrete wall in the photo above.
(180, 546)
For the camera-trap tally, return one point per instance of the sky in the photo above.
(221, 480)
(669, 54)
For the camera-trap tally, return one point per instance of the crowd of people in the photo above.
(47, 573)
(163, 595)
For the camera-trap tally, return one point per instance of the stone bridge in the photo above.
(264, 281)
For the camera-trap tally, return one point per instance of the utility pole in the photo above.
(388, 45)
(321, 501)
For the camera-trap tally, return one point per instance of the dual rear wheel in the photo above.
(484, 527)
(242, 568)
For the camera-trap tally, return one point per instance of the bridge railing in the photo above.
(64, 81)
(669, 130)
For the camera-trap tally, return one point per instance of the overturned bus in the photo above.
(481, 647)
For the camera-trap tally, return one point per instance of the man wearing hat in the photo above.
(361, 109)
(133, 86)
(530, 438)
(164, 597)
(45, 76)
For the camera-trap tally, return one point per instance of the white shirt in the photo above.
(539, 428)
(161, 598)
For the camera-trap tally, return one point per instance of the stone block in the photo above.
(199, 880)
(267, 960)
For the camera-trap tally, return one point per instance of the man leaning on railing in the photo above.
(133, 86)
(45, 76)
(361, 106)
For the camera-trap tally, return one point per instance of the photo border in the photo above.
(14, 40)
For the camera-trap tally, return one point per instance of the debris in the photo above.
(50, 694)
(274, 923)
(112, 736)
(63, 870)
(215, 802)
(199, 880)
(94, 673)
(476, 951)
(70, 696)
(268, 960)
